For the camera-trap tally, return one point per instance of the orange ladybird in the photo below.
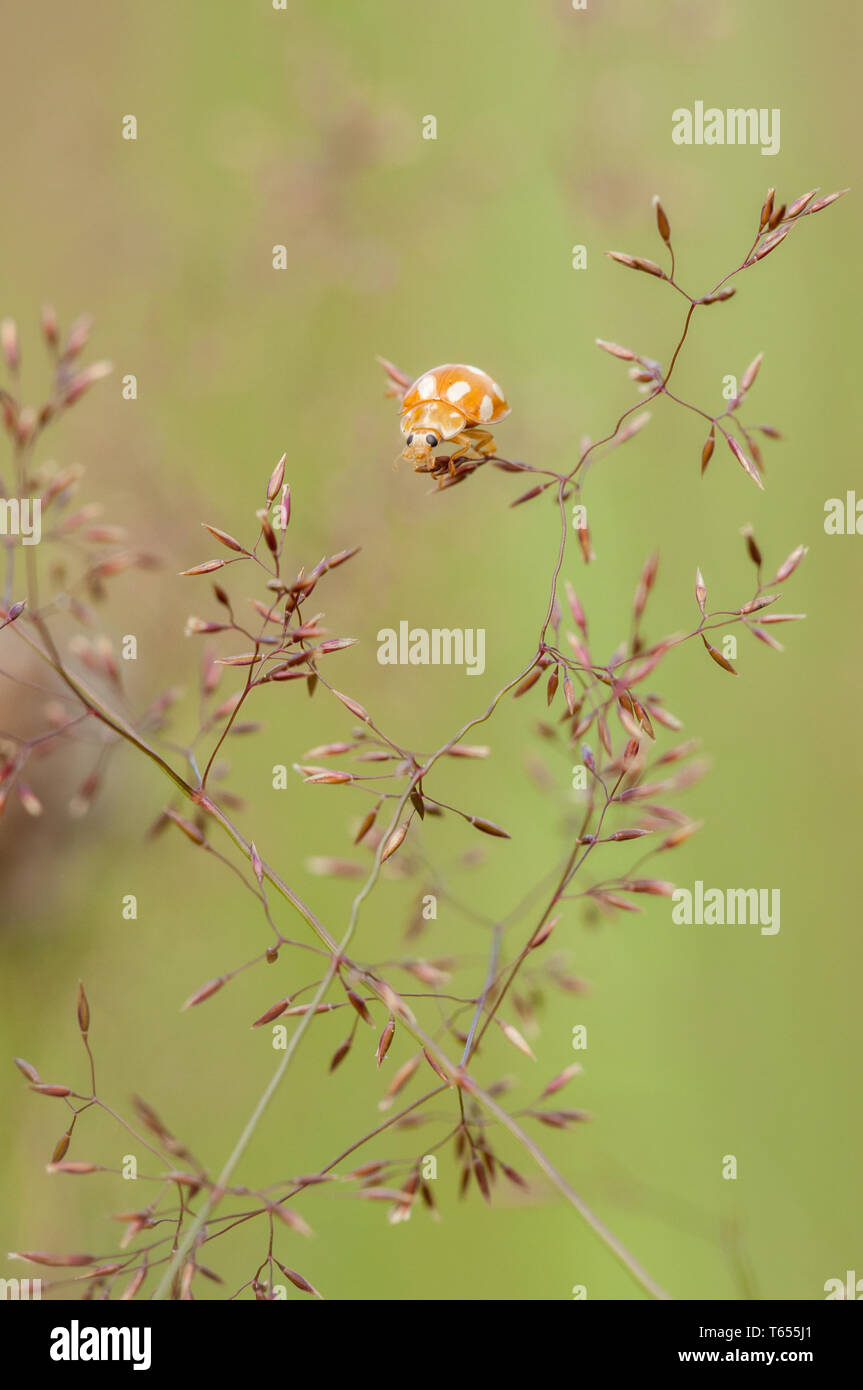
(450, 404)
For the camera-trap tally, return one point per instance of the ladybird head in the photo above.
(420, 445)
(425, 425)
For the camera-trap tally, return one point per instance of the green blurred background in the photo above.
(303, 127)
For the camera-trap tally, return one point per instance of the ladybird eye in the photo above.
(431, 439)
(410, 439)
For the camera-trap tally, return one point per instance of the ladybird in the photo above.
(451, 404)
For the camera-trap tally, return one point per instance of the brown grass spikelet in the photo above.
(189, 829)
(395, 840)
(385, 1040)
(359, 1006)
(788, 565)
(206, 991)
(341, 1052)
(662, 222)
(624, 353)
(513, 1036)
(529, 681)
(206, 568)
(720, 296)
(225, 538)
(638, 263)
(436, 1066)
(488, 827)
(529, 495)
(43, 1257)
(277, 477)
(561, 1119)
(745, 463)
(74, 1168)
(298, 1281)
(821, 203)
(718, 657)
(83, 1011)
(543, 932)
(274, 1011)
(769, 245)
(700, 590)
(561, 1079)
(751, 373)
(61, 1147)
(751, 546)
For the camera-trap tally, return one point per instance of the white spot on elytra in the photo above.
(486, 409)
(457, 390)
(496, 389)
(427, 387)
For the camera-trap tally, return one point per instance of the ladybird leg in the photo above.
(463, 443)
(483, 442)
